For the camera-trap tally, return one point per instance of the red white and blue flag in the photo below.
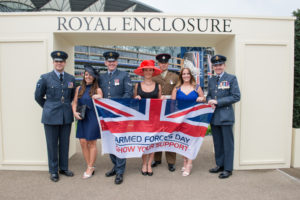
(196, 61)
(131, 127)
(209, 67)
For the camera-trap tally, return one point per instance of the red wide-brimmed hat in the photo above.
(150, 64)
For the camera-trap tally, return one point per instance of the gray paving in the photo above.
(249, 184)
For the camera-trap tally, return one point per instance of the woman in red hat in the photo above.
(147, 89)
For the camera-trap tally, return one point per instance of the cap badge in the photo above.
(217, 57)
(58, 53)
(110, 54)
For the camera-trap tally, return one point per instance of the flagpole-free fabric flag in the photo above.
(132, 127)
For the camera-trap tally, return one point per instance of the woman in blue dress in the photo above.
(88, 129)
(147, 89)
(186, 89)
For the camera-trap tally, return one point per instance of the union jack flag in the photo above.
(209, 68)
(131, 127)
(196, 61)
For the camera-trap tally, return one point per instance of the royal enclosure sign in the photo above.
(143, 24)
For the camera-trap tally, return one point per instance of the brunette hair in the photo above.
(180, 81)
(93, 89)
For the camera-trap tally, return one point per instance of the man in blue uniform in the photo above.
(54, 93)
(115, 84)
(223, 91)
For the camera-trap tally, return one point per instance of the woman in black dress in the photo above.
(147, 89)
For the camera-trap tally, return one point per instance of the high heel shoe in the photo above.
(182, 169)
(86, 175)
(144, 173)
(149, 170)
(187, 171)
(150, 173)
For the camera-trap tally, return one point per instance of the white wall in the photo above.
(23, 140)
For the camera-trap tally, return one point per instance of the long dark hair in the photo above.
(93, 89)
(192, 80)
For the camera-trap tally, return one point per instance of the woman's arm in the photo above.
(99, 94)
(74, 104)
(135, 92)
(174, 91)
(201, 97)
(159, 91)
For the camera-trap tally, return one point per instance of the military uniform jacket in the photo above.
(226, 92)
(55, 98)
(118, 85)
(167, 83)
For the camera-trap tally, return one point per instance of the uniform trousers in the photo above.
(119, 164)
(224, 145)
(58, 139)
(170, 156)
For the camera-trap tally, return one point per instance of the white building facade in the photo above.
(260, 52)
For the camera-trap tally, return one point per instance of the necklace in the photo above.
(187, 88)
(148, 83)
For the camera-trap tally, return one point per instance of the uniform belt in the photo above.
(58, 100)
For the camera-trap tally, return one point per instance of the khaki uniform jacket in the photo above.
(167, 83)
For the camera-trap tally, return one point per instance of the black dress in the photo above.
(153, 94)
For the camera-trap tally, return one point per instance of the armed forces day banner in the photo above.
(131, 127)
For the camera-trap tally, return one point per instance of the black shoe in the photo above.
(54, 177)
(110, 173)
(217, 169)
(66, 172)
(225, 174)
(171, 167)
(119, 179)
(155, 163)
(150, 173)
(144, 173)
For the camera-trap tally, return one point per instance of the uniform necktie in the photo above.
(61, 77)
(218, 78)
(109, 74)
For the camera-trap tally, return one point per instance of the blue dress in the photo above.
(192, 96)
(88, 128)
